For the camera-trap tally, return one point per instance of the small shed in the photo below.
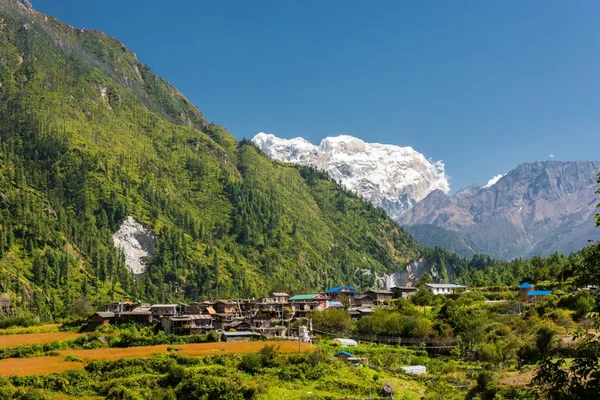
(414, 369)
(241, 336)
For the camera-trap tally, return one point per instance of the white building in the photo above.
(444, 288)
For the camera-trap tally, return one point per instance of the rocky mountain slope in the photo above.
(537, 208)
(91, 138)
(392, 177)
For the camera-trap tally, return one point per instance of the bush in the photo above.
(23, 321)
(72, 358)
(250, 363)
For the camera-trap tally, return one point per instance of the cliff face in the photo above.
(540, 207)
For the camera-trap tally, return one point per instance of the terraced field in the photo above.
(50, 364)
(35, 338)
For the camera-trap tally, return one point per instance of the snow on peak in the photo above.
(493, 181)
(390, 176)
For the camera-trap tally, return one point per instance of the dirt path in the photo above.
(50, 364)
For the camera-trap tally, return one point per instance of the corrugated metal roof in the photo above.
(539, 292)
(525, 285)
(338, 289)
(241, 333)
(279, 294)
(306, 296)
(105, 314)
(163, 305)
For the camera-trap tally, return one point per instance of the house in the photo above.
(379, 296)
(238, 325)
(339, 291)
(223, 320)
(304, 303)
(270, 332)
(241, 336)
(362, 301)
(100, 318)
(187, 324)
(523, 289)
(120, 306)
(403, 292)
(528, 293)
(444, 288)
(163, 310)
(140, 315)
(335, 304)
(533, 296)
(224, 307)
(280, 297)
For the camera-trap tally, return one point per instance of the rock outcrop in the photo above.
(137, 243)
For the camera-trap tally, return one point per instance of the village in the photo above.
(275, 316)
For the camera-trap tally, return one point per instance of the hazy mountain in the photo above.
(540, 207)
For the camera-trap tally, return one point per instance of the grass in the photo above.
(18, 339)
(50, 364)
(31, 329)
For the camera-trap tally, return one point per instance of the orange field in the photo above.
(36, 366)
(35, 338)
(46, 365)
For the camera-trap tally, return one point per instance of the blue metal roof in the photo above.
(525, 285)
(342, 352)
(539, 292)
(338, 289)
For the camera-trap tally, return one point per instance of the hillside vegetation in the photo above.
(90, 136)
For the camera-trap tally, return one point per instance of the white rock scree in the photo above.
(137, 243)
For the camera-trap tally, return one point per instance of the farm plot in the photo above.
(36, 366)
(29, 339)
(50, 364)
(196, 349)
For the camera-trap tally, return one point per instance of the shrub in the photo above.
(250, 363)
(72, 358)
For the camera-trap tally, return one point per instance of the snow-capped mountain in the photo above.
(392, 177)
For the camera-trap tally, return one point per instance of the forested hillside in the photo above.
(90, 136)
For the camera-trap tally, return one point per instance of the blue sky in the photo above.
(482, 85)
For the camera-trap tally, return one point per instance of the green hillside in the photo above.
(90, 136)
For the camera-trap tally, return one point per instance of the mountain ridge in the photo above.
(90, 137)
(526, 212)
